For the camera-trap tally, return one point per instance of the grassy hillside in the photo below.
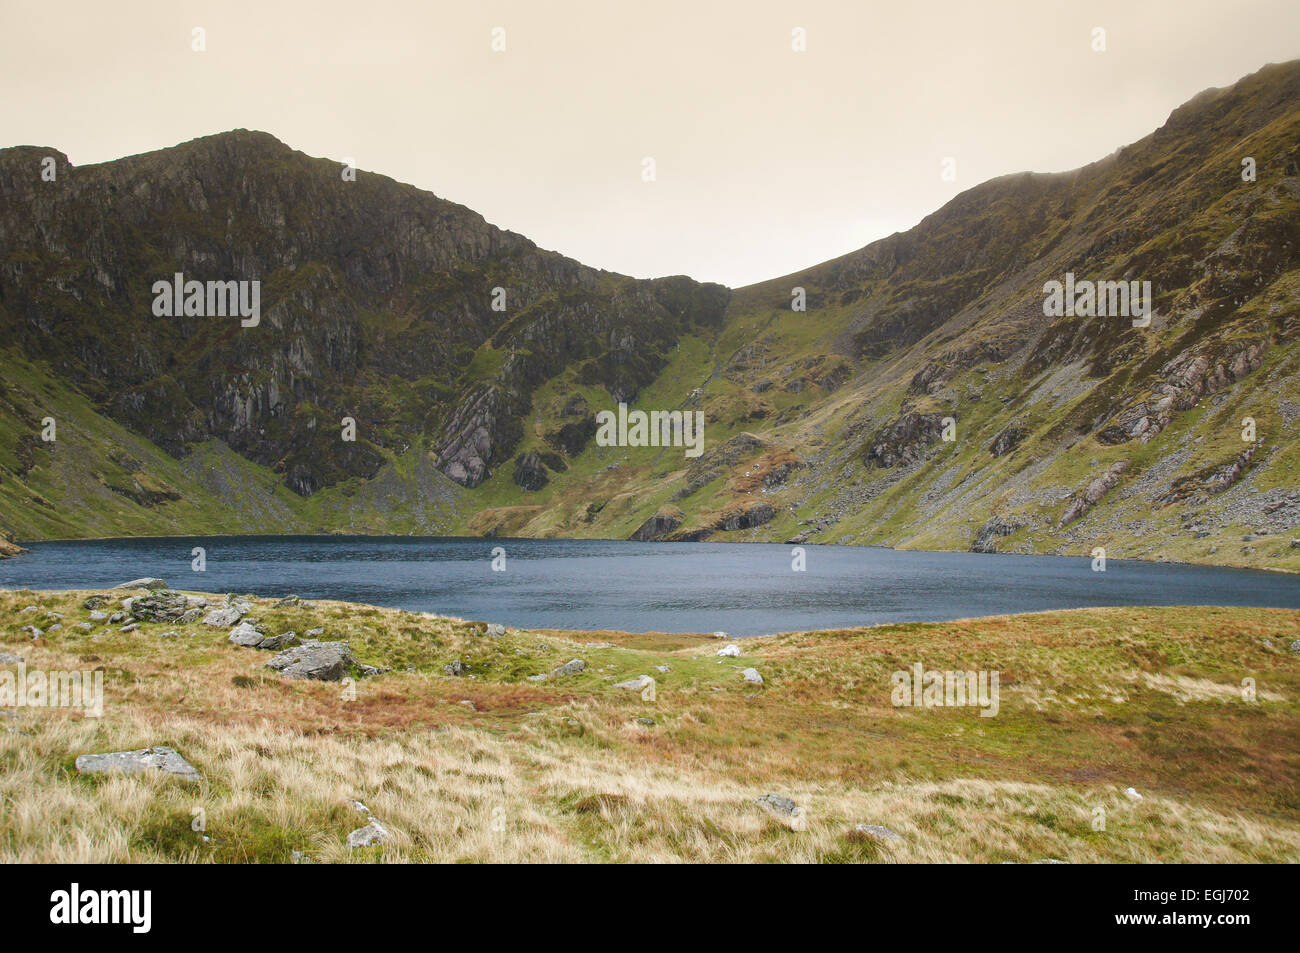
(493, 766)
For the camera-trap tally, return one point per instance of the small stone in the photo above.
(648, 722)
(571, 667)
(314, 633)
(97, 616)
(455, 668)
(778, 805)
(130, 627)
(721, 635)
(34, 632)
(371, 835)
(1133, 794)
(878, 832)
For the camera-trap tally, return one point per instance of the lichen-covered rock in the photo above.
(323, 661)
(135, 762)
(162, 605)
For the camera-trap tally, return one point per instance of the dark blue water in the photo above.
(744, 589)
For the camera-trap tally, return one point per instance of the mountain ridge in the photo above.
(825, 424)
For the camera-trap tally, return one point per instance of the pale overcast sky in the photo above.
(766, 159)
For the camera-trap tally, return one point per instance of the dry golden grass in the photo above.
(560, 771)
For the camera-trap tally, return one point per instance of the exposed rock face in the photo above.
(661, 524)
(338, 262)
(529, 472)
(746, 515)
(323, 661)
(1093, 493)
(986, 539)
(8, 548)
(135, 762)
(1007, 440)
(1212, 479)
(1181, 383)
(904, 442)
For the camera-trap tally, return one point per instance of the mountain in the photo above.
(923, 399)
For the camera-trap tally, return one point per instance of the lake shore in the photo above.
(488, 744)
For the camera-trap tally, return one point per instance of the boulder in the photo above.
(191, 616)
(145, 582)
(224, 617)
(135, 762)
(245, 635)
(571, 667)
(643, 684)
(277, 642)
(97, 616)
(455, 668)
(161, 605)
(781, 806)
(323, 661)
(496, 630)
(752, 677)
(96, 602)
(730, 651)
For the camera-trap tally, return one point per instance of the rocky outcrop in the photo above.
(986, 539)
(904, 441)
(530, 474)
(1007, 440)
(661, 524)
(1210, 480)
(1181, 383)
(1093, 493)
(745, 514)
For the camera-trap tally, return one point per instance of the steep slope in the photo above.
(380, 303)
(923, 399)
(1066, 433)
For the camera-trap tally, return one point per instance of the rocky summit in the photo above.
(973, 383)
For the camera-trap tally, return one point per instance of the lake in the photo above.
(742, 588)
